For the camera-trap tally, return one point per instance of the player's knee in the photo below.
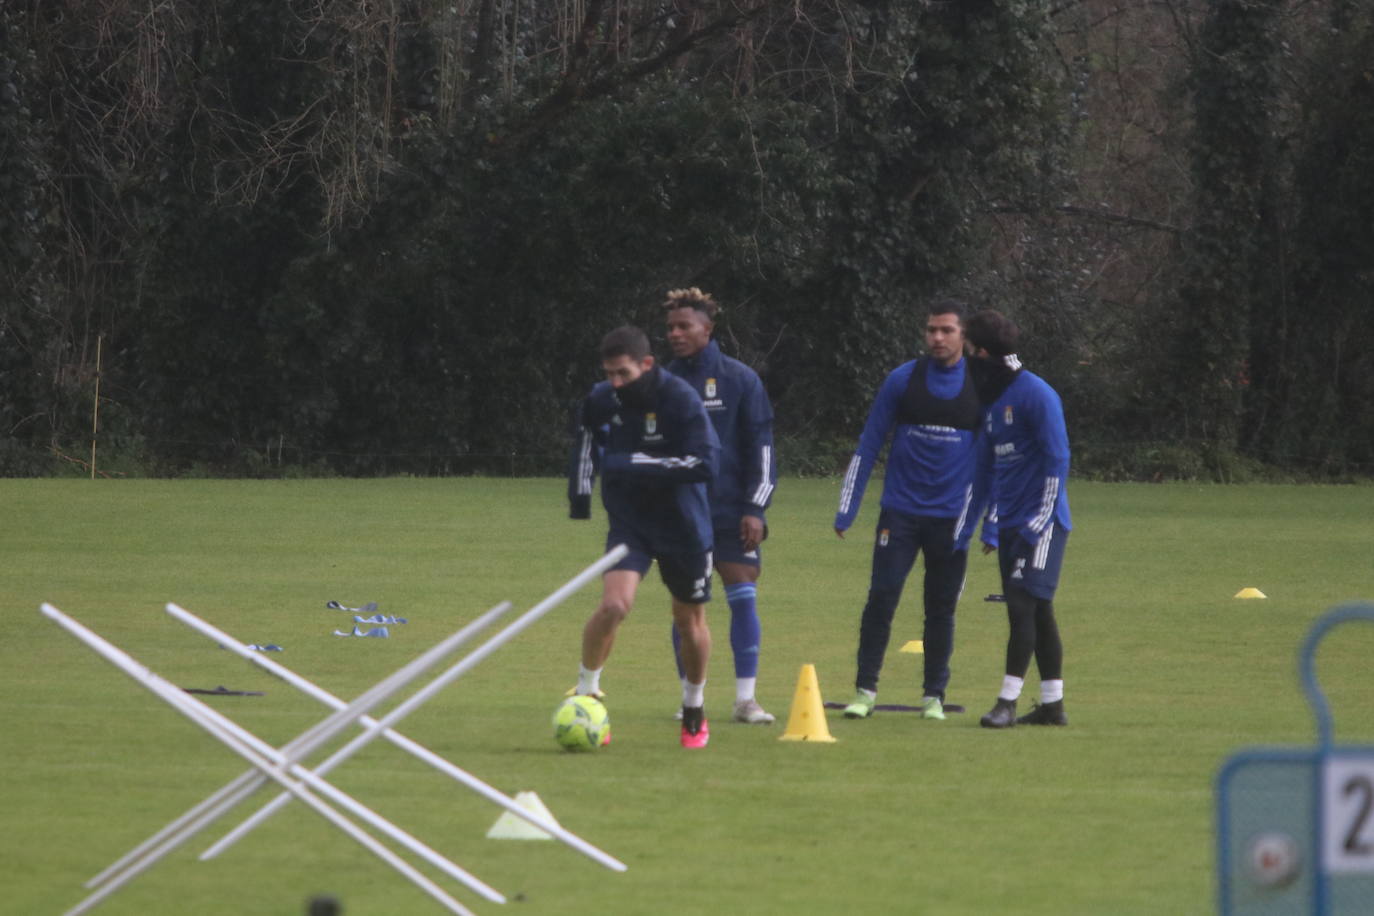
(688, 618)
(884, 596)
(942, 611)
(613, 609)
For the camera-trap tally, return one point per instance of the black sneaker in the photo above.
(1002, 715)
(1045, 714)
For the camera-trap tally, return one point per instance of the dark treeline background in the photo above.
(384, 236)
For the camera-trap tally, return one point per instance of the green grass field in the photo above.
(1166, 675)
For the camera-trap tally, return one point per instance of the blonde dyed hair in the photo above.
(692, 298)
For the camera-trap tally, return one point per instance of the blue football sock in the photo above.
(745, 631)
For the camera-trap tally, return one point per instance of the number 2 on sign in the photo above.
(1348, 814)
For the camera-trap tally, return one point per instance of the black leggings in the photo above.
(1034, 631)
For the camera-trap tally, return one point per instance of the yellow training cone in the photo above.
(1250, 593)
(807, 721)
(915, 646)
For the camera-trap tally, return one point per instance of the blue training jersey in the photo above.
(738, 406)
(929, 465)
(656, 462)
(1023, 461)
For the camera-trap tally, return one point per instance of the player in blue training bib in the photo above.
(928, 409)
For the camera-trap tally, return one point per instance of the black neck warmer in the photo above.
(642, 392)
(992, 375)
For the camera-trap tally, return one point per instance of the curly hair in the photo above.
(692, 298)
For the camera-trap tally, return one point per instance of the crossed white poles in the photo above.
(283, 767)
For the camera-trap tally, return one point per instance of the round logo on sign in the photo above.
(1273, 859)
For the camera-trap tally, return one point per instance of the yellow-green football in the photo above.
(581, 723)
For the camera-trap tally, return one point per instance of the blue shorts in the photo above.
(728, 548)
(1035, 567)
(687, 575)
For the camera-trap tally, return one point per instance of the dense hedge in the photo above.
(385, 238)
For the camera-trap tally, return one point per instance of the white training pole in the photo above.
(341, 720)
(250, 781)
(428, 691)
(248, 747)
(401, 741)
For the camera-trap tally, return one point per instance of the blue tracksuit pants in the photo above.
(899, 538)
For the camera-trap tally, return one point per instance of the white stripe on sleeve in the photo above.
(1048, 497)
(1042, 548)
(765, 487)
(584, 464)
(847, 489)
(670, 461)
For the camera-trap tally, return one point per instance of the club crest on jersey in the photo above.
(651, 433)
(1006, 415)
(708, 396)
(882, 537)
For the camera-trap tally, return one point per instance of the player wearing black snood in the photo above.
(1022, 469)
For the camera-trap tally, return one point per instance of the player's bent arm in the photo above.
(582, 464)
(756, 448)
(877, 428)
(682, 468)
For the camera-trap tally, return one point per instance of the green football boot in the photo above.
(861, 707)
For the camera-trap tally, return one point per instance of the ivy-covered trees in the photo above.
(385, 237)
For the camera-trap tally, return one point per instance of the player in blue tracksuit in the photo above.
(657, 453)
(1022, 470)
(930, 410)
(739, 409)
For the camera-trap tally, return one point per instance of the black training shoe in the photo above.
(1045, 714)
(1002, 715)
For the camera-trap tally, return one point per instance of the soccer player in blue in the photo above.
(739, 409)
(1022, 470)
(657, 452)
(929, 409)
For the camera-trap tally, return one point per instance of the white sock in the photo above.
(1011, 687)
(1052, 691)
(871, 694)
(744, 688)
(693, 694)
(588, 680)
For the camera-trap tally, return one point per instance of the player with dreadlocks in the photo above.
(740, 411)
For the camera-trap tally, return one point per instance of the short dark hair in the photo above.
(692, 298)
(625, 341)
(992, 331)
(955, 307)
